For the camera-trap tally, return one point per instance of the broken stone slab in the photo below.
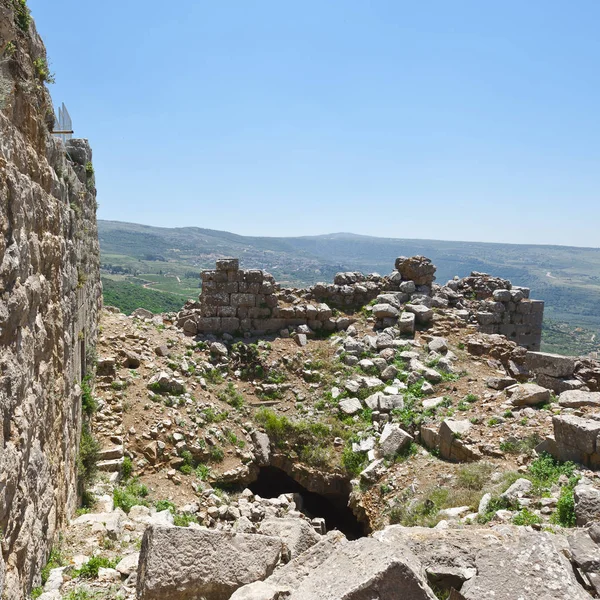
(385, 311)
(587, 504)
(287, 578)
(521, 487)
(450, 433)
(128, 564)
(554, 365)
(500, 383)
(438, 344)
(373, 471)
(262, 448)
(585, 553)
(350, 406)
(393, 439)
(530, 394)
(297, 535)
(578, 398)
(110, 466)
(576, 432)
(525, 565)
(366, 569)
(180, 563)
(110, 453)
(431, 403)
(423, 315)
(406, 323)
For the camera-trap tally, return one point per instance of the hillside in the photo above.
(169, 260)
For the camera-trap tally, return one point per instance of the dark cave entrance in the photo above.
(272, 482)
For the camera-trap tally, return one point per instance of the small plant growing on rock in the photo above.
(90, 569)
(22, 15)
(231, 396)
(526, 517)
(565, 507)
(43, 71)
(353, 462)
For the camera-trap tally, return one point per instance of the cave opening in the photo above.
(272, 482)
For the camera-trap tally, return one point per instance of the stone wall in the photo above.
(50, 293)
(236, 301)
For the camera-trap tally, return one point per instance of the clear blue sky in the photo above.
(466, 120)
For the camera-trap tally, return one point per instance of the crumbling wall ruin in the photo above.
(50, 293)
(250, 302)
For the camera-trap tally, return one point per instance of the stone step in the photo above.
(110, 466)
(110, 453)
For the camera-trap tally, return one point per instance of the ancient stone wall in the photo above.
(50, 293)
(241, 302)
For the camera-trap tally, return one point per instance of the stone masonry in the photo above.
(50, 293)
(250, 302)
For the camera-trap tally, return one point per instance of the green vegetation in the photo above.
(9, 49)
(90, 569)
(546, 471)
(133, 493)
(89, 404)
(231, 396)
(55, 560)
(565, 507)
(526, 517)
(127, 297)
(311, 441)
(22, 15)
(43, 71)
(353, 462)
(127, 467)
(86, 458)
(514, 445)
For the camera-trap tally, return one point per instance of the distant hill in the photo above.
(170, 259)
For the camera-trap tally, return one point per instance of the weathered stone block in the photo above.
(554, 365)
(179, 563)
(216, 299)
(576, 432)
(228, 264)
(243, 300)
(254, 276)
(230, 324)
(209, 324)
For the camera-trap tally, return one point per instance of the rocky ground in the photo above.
(436, 428)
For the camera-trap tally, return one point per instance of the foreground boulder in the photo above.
(504, 563)
(180, 563)
(297, 535)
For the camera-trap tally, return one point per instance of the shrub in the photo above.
(526, 517)
(22, 15)
(130, 495)
(90, 569)
(231, 396)
(216, 454)
(546, 470)
(520, 445)
(202, 471)
(184, 519)
(89, 169)
(565, 507)
(55, 560)
(43, 71)
(89, 404)
(87, 458)
(161, 505)
(353, 462)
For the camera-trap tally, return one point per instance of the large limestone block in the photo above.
(393, 439)
(451, 442)
(587, 504)
(578, 398)
(364, 570)
(180, 563)
(527, 566)
(290, 576)
(554, 365)
(530, 394)
(576, 432)
(297, 535)
(423, 315)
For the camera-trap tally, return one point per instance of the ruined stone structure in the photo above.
(237, 301)
(50, 293)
